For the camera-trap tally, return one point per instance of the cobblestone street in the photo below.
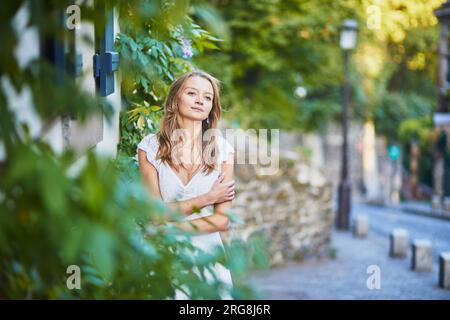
(345, 276)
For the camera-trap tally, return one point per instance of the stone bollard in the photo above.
(436, 203)
(444, 270)
(446, 204)
(361, 226)
(422, 255)
(399, 243)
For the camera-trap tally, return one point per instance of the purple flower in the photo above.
(187, 49)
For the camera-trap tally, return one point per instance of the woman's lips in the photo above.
(198, 109)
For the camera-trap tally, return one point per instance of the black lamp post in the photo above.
(347, 43)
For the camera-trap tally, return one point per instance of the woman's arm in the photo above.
(219, 192)
(227, 171)
(212, 223)
(218, 221)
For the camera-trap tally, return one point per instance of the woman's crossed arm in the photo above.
(220, 195)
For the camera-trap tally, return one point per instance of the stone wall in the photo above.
(326, 152)
(292, 208)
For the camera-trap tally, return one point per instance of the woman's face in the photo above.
(196, 99)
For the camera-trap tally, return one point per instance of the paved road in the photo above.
(345, 277)
(382, 221)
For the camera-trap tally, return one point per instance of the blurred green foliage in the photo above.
(400, 107)
(418, 130)
(273, 47)
(57, 209)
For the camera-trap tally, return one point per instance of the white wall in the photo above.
(108, 146)
(96, 132)
(82, 136)
(21, 102)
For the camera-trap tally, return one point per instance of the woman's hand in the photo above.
(221, 191)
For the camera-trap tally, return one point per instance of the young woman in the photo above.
(189, 165)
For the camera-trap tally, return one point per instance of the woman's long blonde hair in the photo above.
(170, 123)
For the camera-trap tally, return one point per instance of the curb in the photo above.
(425, 213)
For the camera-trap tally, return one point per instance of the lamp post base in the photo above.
(344, 193)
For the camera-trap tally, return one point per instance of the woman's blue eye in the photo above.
(208, 98)
(191, 92)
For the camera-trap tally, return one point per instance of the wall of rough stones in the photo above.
(292, 209)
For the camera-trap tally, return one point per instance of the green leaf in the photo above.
(102, 251)
(141, 122)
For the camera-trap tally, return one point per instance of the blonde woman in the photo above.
(189, 165)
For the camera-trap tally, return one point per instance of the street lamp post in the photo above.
(347, 43)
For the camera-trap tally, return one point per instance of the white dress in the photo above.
(172, 189)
